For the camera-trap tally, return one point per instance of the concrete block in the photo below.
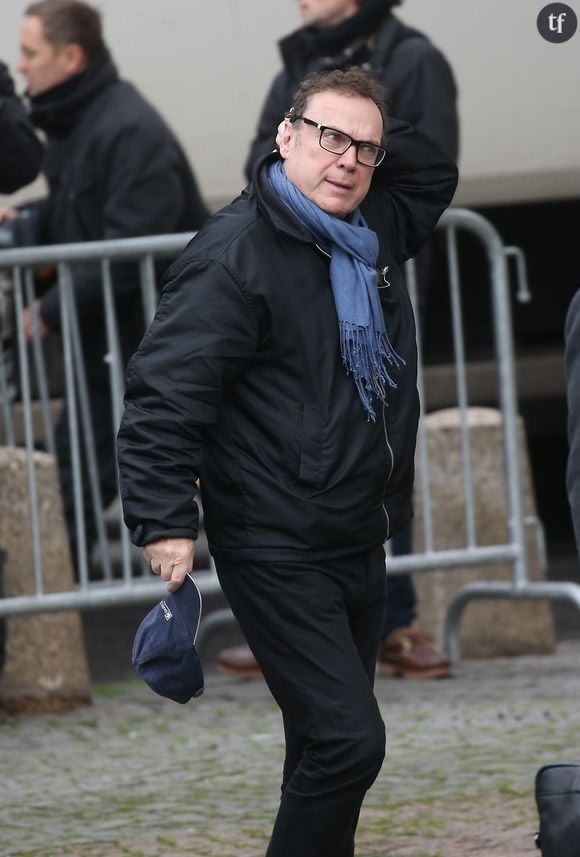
(488, 628)
(46, 667)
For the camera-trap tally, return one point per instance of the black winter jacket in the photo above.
(115, 170)
(414, 72)
(239, 381)
(20, 149)
(572, 353)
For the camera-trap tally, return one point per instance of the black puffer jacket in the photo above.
(115, 170)
(572, 339)
(20, 149)
(239, 381)
(414, 72)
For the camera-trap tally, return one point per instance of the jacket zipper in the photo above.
(390, 472)
(383, 272)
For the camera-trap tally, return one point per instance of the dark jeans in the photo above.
(400, 611)
(314, 628)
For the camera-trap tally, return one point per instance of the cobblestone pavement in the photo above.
(137, 775)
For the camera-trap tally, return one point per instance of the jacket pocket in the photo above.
(311, 470)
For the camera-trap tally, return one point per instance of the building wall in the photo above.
(520, 128)
(207, 66)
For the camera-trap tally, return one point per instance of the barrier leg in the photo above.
(494, 591)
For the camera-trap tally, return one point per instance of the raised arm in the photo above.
(410, 191)
(424, 93)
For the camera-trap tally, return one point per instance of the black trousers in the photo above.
(314, 628)
(401, 610)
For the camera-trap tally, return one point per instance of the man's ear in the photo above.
(73, 59)
(285, 136)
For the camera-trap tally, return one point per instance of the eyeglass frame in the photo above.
(353, 142)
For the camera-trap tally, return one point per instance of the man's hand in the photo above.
(30, 316)
(172, 559)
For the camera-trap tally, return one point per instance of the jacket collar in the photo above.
(57, 110)
(270, 204)
(335, 47)
(387, 38)
(279, 215)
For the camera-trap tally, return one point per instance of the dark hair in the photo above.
(352, 81)
(67, 22)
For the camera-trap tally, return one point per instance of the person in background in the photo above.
(421, 91)
(20, 149)
(114, 170)
(281, 371)
(20, 159)
(572, 358)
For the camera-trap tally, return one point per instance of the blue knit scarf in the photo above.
(353, 248)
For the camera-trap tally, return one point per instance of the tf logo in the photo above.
(557, 22)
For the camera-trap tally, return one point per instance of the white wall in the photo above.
(207, 66)
(519, 102)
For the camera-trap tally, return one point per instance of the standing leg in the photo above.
(406, 651)
(309, 624)
(400, 611)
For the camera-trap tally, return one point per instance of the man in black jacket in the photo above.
(20, 158)
(572, 354)
(20, 148)
(114, 170)
(280, 370)
(341, 33)
(421, 91)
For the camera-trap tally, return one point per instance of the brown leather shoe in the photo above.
(239, 661)
(410, 653)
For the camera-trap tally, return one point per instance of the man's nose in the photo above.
(348, 158)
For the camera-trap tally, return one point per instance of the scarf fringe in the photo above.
(363, 360)
(364, 346)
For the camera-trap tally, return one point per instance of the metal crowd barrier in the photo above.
(115, 573)
(514, 550)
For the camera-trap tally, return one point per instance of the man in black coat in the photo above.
(20, 148)
(280, 370)
(572, 354)
(421, 91)
(340, 33)
(114, 170)
(20, 159)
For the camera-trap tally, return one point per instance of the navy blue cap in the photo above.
(164, 652)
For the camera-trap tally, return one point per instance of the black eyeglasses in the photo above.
(338, 143)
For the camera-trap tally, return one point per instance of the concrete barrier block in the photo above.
(46, 667)
(488, 628)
